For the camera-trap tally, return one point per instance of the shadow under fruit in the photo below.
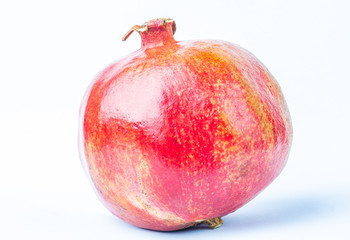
(182, 133)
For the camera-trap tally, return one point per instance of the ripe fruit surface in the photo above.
(181, 133)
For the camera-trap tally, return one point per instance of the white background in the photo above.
(51, 50)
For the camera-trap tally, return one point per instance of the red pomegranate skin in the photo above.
(178, 133)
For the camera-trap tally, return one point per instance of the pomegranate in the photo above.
(182, 133)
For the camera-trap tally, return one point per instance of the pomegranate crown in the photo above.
(157, 23)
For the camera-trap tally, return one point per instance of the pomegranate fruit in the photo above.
(182, 133)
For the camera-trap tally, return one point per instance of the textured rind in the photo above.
(179, 133)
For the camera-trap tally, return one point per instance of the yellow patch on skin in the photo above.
(123, 189)
(142, 201)
(158, 214)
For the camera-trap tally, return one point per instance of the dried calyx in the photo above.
(212, 223)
